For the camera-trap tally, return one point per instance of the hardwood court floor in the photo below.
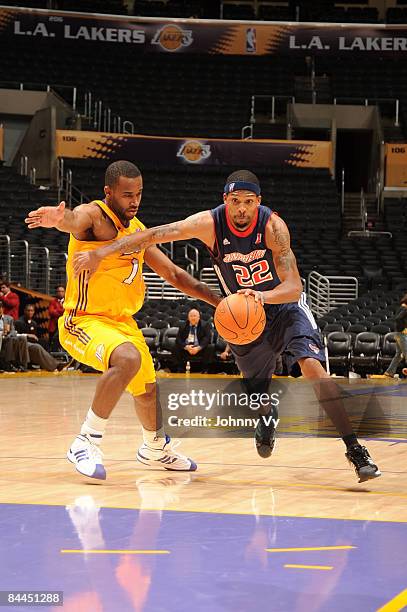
(295, 532)
(306, 476)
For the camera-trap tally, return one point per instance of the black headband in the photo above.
(235, 186)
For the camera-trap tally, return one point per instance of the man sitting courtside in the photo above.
(13, 347)
(193, 343)
(38, 356)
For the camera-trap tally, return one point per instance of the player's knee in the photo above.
(148, 398)
(126, 359)
(151, 391)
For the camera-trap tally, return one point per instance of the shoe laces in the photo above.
(94, 451)
(171, 444)
(360, 455)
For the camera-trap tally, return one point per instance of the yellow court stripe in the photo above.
(309, 548)
(397, 603)
(317, 567)
(117, 552)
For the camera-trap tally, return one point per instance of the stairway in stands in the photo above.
(352, 218)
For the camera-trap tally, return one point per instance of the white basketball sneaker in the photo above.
(165, 457)
(87, 457)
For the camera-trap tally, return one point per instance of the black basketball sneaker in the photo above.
(265, 435)
(359, 457)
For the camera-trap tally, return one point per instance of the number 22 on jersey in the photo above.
(257, 273)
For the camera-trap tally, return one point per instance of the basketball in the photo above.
(239, 319)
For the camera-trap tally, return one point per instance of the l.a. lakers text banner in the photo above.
(156, 150)
(203, 36)
(396, 165)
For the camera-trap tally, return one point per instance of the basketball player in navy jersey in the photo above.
(250, 249)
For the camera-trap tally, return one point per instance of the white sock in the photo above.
(154, 439)
(94, 426)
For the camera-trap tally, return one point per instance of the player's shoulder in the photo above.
(136, 224)
(277, 232)
(91, 208)
(218, 209)
(276, 223)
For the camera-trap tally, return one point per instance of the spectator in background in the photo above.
(401, 339)
(4, 331)
(11, 301)
(38, 356)
(193, 342)
(55, 310)
(14, 348)
(226, 354)
(27, 325)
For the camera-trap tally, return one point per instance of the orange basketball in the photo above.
(239, 319)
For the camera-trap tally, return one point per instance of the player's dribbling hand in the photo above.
(46, 216)
(86, 260)
(258, 295)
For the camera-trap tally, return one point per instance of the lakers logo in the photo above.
(171, 38)
(194, 151)
(100, 351)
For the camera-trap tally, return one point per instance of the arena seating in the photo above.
(165, 94)
(28, 3)
(159, 321)
(368, 349)
(395, 211)
(396, 15)
(112, 7)
(311, 209)
(174, 191)
(174, 8)
(161, 94)
(369, 345)
(17, 198)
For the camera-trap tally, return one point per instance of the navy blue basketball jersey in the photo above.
(242, 260)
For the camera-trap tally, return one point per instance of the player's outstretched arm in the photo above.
(65, 220)
(198, 226)
(179, 278)
(278, 240)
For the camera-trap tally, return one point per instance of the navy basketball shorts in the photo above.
(292, 333)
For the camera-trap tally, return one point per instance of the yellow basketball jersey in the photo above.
(116, 290)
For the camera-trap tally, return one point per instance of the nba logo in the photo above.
(251, 40)
(258, 239)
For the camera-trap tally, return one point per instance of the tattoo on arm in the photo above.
(286, 261)
(285, 257)
(163, 233)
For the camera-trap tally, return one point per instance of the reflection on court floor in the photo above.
(150, 559)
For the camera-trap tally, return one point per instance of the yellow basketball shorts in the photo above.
(92, 339)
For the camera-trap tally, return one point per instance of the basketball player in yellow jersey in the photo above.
(97, 327)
